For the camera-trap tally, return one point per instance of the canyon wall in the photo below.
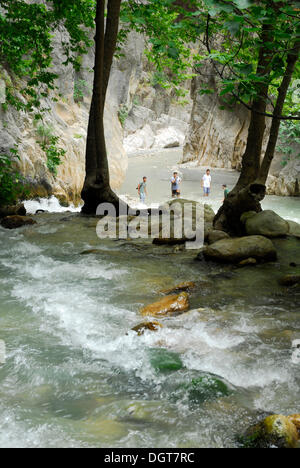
(140, 117)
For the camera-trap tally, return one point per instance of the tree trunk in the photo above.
(274, 132)
(247, 194)
(252, 155)
(96, 189)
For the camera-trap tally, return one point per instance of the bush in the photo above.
(12, 184)
(48, 143)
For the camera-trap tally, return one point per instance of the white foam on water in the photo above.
(51, 205)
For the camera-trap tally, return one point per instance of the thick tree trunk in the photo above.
(278, 111)
(97, 188)
(237, 203)
(248, 193)
(252, 155)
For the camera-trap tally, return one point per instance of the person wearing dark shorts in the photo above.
(175, 185)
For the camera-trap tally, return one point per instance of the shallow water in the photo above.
(75, 373)
(159, 167)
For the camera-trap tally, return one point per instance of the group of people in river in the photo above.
(176, 186)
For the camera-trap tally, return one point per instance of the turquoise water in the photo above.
(77, 376)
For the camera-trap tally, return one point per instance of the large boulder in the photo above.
(274, 431)
(14, 222)
(294, 229)
(215, 236)
(169, 305)
(266, 223)
(236, 250)
(188, 220)
(10, 210)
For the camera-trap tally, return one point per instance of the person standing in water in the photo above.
(206, 183)
(175, 185)
(142, 190)
(226, 191)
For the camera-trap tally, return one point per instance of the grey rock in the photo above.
(236, 250)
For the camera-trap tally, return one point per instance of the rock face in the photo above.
(147, 132)
(216, 137)
(68, 120)
(285, 181)
(266, 223)
(167, 306)
(236, 250)
(14, 222)
(274, 431)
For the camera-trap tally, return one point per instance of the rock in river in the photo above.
(187, 286)
(167, 305)
(215, 236)
(14, 222)
(274, 431)
(142, 327)
(266, 223)
(236, 250)
(289, 280)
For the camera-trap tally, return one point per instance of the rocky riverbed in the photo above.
(78, 373)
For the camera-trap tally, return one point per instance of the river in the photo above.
(76, 375)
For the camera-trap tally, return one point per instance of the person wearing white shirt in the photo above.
(206, 183)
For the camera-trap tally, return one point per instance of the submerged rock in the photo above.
(274, 431)
(168, 305)
(248, 261)
(142, 327)
(242, 248)
(201, 389)
(164, 360)
(16, 221)
(289, 280)
(187, 286)
(266, 223)
(206, 388)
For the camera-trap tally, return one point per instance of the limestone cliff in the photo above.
(68, 118)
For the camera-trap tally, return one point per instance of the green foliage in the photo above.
(123, 114)
(26, 45)
(169, 29)
(237, 26)
(48, 143)
(289, 133)
(289, 140)
(11, 182)
(81, 89)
